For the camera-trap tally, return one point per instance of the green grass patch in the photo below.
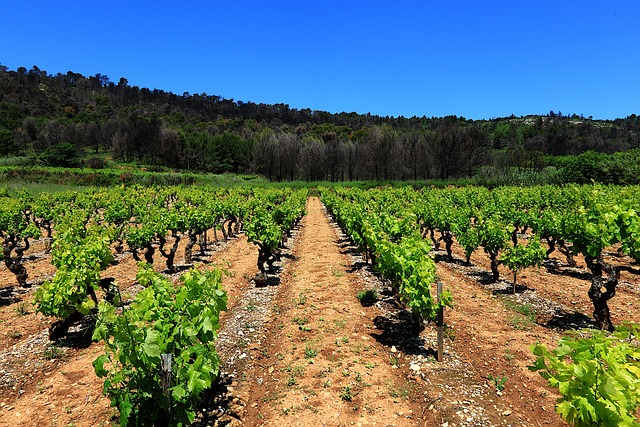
(400, 390)
(526, 317)
(367, 298)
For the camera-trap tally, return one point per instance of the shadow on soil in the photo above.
(567, 271)
(78, 335)
(289, 256)
(182, 268)
(483, 277)
(263, 280)
(508, 290)
(399, 330)
(569, 321)
(629, 269)
(443, 257)
(11, 294)
(216, 405)
(356, 266)
(7, 296)
(349, 250)
(347, 247)
(344, 242)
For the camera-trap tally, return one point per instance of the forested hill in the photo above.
(74, 120)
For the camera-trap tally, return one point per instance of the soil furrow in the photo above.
(322, 362)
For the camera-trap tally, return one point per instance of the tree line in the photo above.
(72, 120)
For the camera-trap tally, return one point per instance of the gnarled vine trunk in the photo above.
(14, 262)
(447, 236)
(266, 257)
(600, 299)
(188, 250)
(224, 231)
(202, 242)
(148, 255)
(171, 254)
(495, 262)
(436, 242)
(60, 328)
(514, 236)
(48, 240)
(562, 247)
(552, 246)
(231, 226)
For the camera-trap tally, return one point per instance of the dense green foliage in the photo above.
(93, 226)
(93, 177)
(598, 377)
(79, 256)
(17, 227)
(508, 223)
(163, 319)
(269, 225)
(385, 228)
(397, 229)
(618, 168)
(518, 257)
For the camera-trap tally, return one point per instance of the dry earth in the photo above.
(303, 351)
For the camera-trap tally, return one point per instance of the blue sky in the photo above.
(477, 59)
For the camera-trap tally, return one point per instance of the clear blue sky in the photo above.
(478, 59)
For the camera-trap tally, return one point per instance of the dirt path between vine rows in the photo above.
(321, 363)
(563, 289)
(489, 346)
(328, 361)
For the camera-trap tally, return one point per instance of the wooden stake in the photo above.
(440, 323)
(165, 372)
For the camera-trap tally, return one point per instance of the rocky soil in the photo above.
(299, 349)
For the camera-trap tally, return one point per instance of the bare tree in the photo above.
(120, 145)
(383, 142)
(413, 153)
(312, 160)
(265, 152)
(334, 156)
(290, 148)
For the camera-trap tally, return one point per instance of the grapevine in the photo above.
(163, 319)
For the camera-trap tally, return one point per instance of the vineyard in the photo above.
(204, 306)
